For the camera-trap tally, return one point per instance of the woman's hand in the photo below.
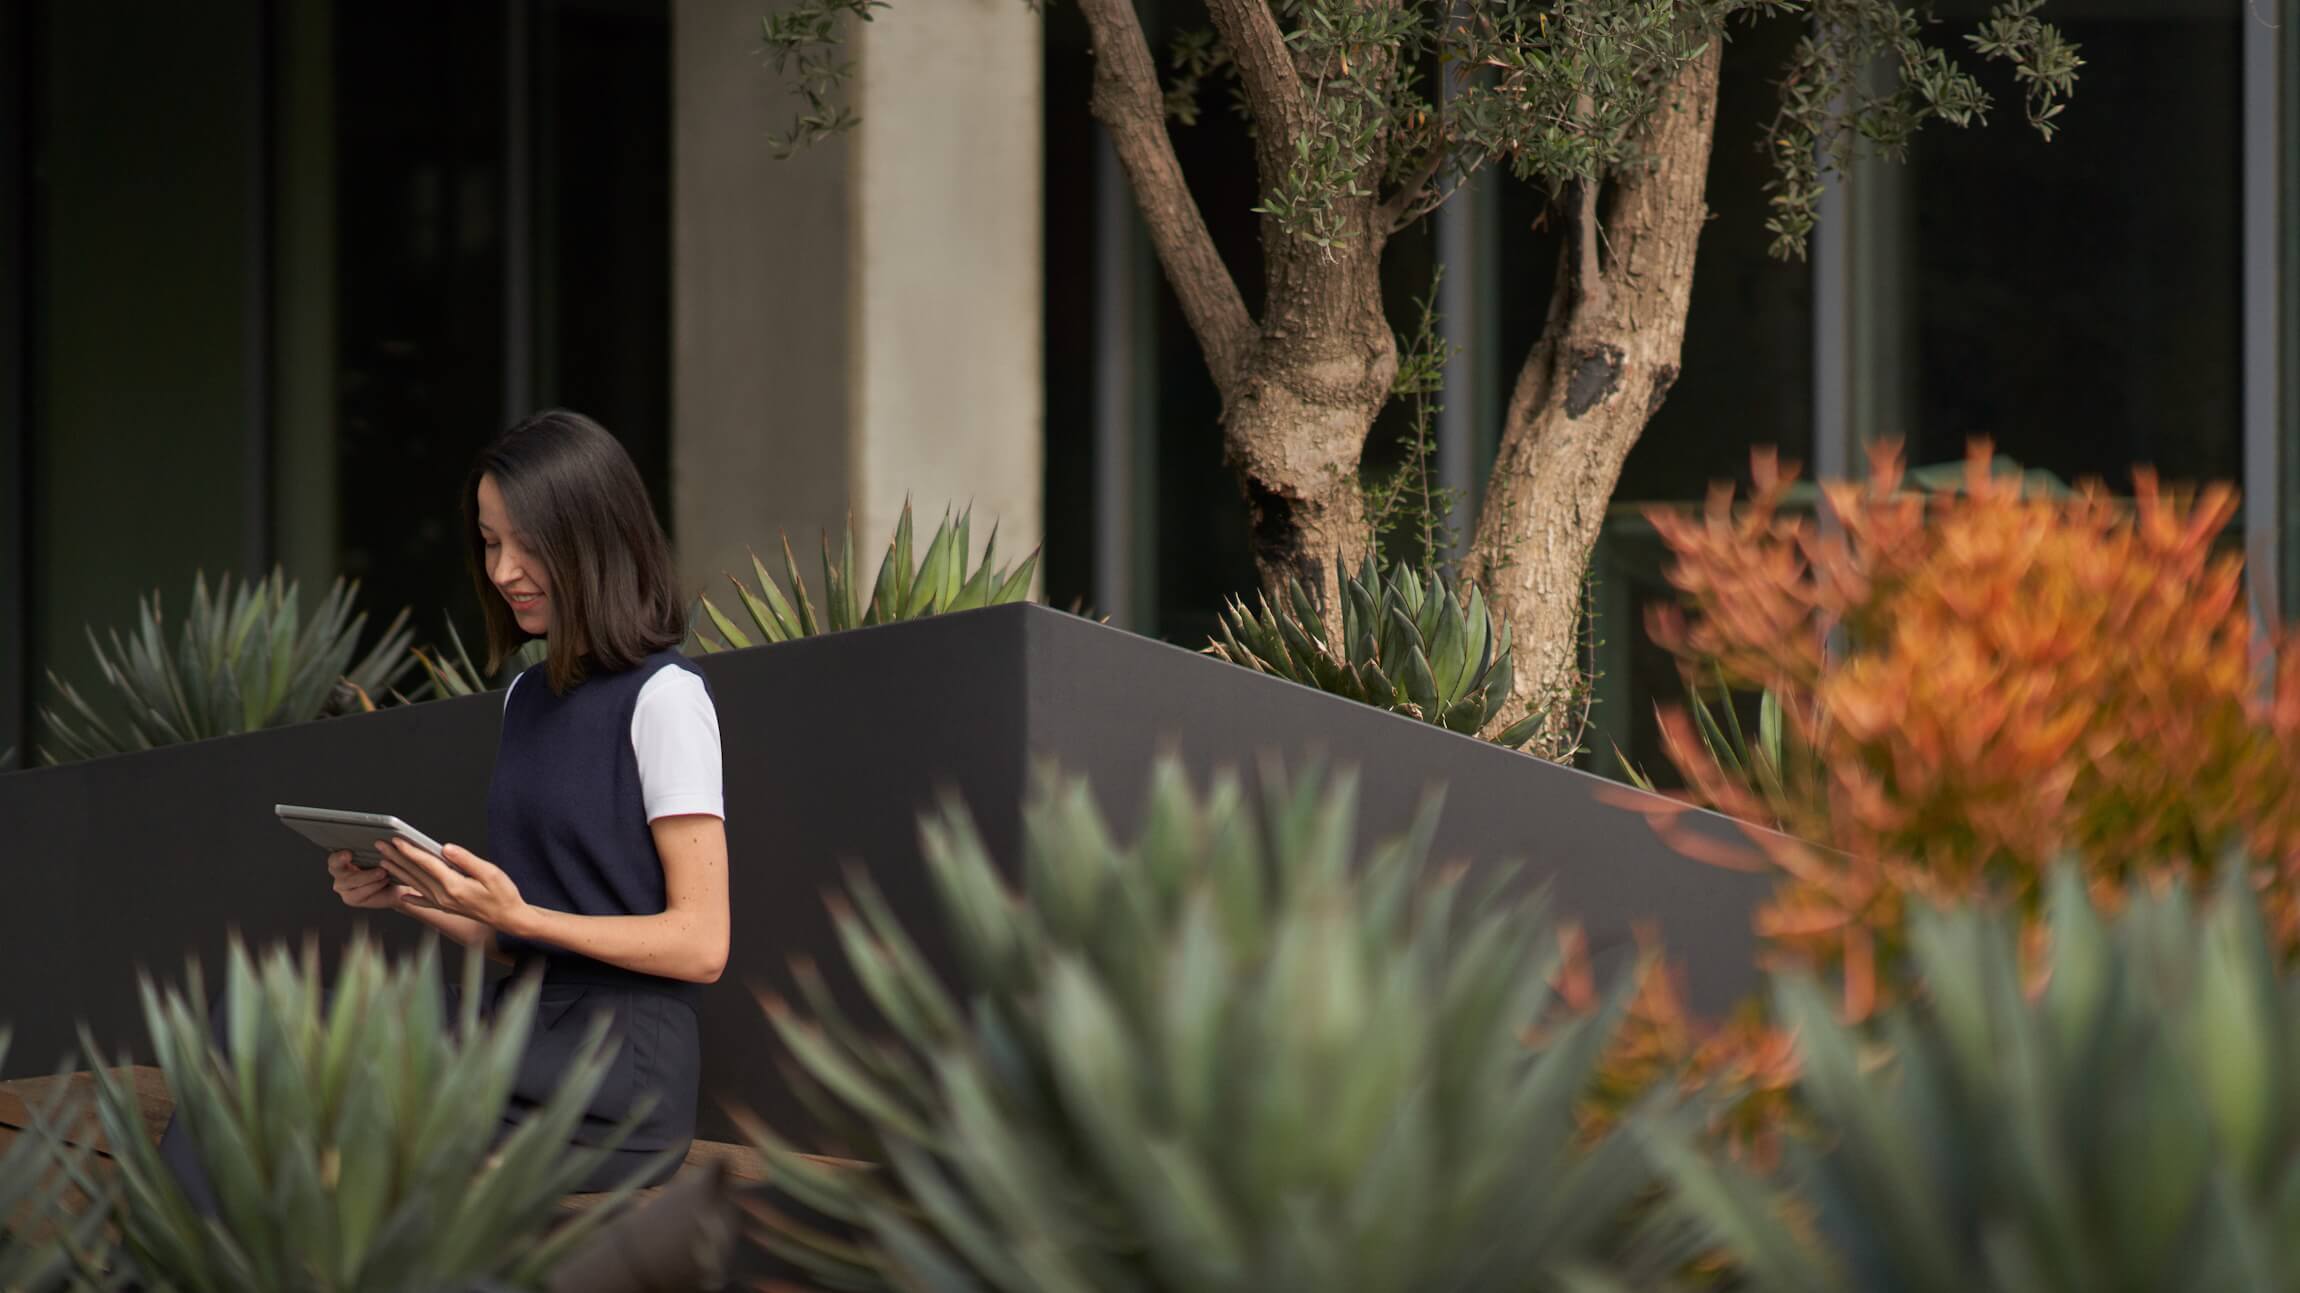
(367, 887)
(461, 884)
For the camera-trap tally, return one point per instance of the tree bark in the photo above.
(1300, 387)
(1131, 106)
(1296, 427)
(1585, 393)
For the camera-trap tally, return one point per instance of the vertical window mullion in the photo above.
(518, 211)
(2265, 443)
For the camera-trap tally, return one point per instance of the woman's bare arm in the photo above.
(687, 940)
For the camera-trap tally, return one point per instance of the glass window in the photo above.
(2077, 301)
(424, 198)
(421, 208)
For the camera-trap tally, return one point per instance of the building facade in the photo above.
(269, 276)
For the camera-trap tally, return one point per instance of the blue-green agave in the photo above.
(451, 672)
(349, 1135)
(1233, 1052)
(936, 584)
(244, 658)
(2133, 1124)
(1407, 643)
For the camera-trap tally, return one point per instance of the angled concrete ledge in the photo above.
(834, 745)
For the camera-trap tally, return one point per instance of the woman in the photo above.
(608, 856)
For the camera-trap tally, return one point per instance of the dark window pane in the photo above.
(2079, 300)
(603, 221)
(1747, 372)
(420, 131)
(423, 208)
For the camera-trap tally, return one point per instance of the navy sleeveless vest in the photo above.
(565, 816)
(566, 820)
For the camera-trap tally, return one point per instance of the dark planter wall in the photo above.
(833, 747)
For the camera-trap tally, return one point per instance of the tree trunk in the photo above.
(1301, 387)
(1600, 370)
(1296, 423)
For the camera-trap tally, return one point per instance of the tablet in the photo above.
(333, 829)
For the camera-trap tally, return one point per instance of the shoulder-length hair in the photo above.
(584, 515)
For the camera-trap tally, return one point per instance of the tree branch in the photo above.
(1591, 282)
(1401, 209)
(1265, 67)
(1128, 102)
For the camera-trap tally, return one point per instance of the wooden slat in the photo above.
(22, 1098)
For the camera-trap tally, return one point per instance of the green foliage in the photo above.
(938, 584)
(458, 675)
(350, 1139)
(2134, 1124)
(1560, 92)
(1196, 55)
(1834, 104)
(1773, 761)
(807, 34)
(244, 659)
(1230, 1054)
(1409, 505)
(1408, 644)
(41, 1245)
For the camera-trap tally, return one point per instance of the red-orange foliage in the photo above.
(1978, 684)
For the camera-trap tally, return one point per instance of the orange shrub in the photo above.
(1977, 684)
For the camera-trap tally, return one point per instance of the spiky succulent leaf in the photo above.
(351, 1137)
(456, 674)
(937, 584)
(1235, 1051)
(1415, 646)
(245, 658)
(2133, 1124)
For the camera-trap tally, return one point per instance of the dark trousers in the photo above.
(657, 1052)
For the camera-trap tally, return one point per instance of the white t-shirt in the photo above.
(675, 734)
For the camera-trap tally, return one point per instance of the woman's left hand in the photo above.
(461, 884)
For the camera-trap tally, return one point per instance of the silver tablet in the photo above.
(333, 829)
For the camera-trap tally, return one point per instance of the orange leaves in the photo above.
(2015, 677)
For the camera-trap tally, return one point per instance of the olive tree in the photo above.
(1610, 105)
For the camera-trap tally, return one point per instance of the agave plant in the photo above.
(1230, 1054)
(43, 1245)
(244, 659)
(1407, 644)
(350, 1139)
(2134, 1124)
(457, 675)
(937, 584)
(1775, 763)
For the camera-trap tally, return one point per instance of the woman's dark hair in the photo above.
(583, 514)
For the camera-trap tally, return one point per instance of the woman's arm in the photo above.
(687, 940)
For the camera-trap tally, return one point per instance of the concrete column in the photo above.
(862, 322)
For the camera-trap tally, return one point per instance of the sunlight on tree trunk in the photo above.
(1605, 362)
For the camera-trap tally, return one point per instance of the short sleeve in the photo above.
(675, 734)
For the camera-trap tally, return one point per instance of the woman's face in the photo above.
(516, 575)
